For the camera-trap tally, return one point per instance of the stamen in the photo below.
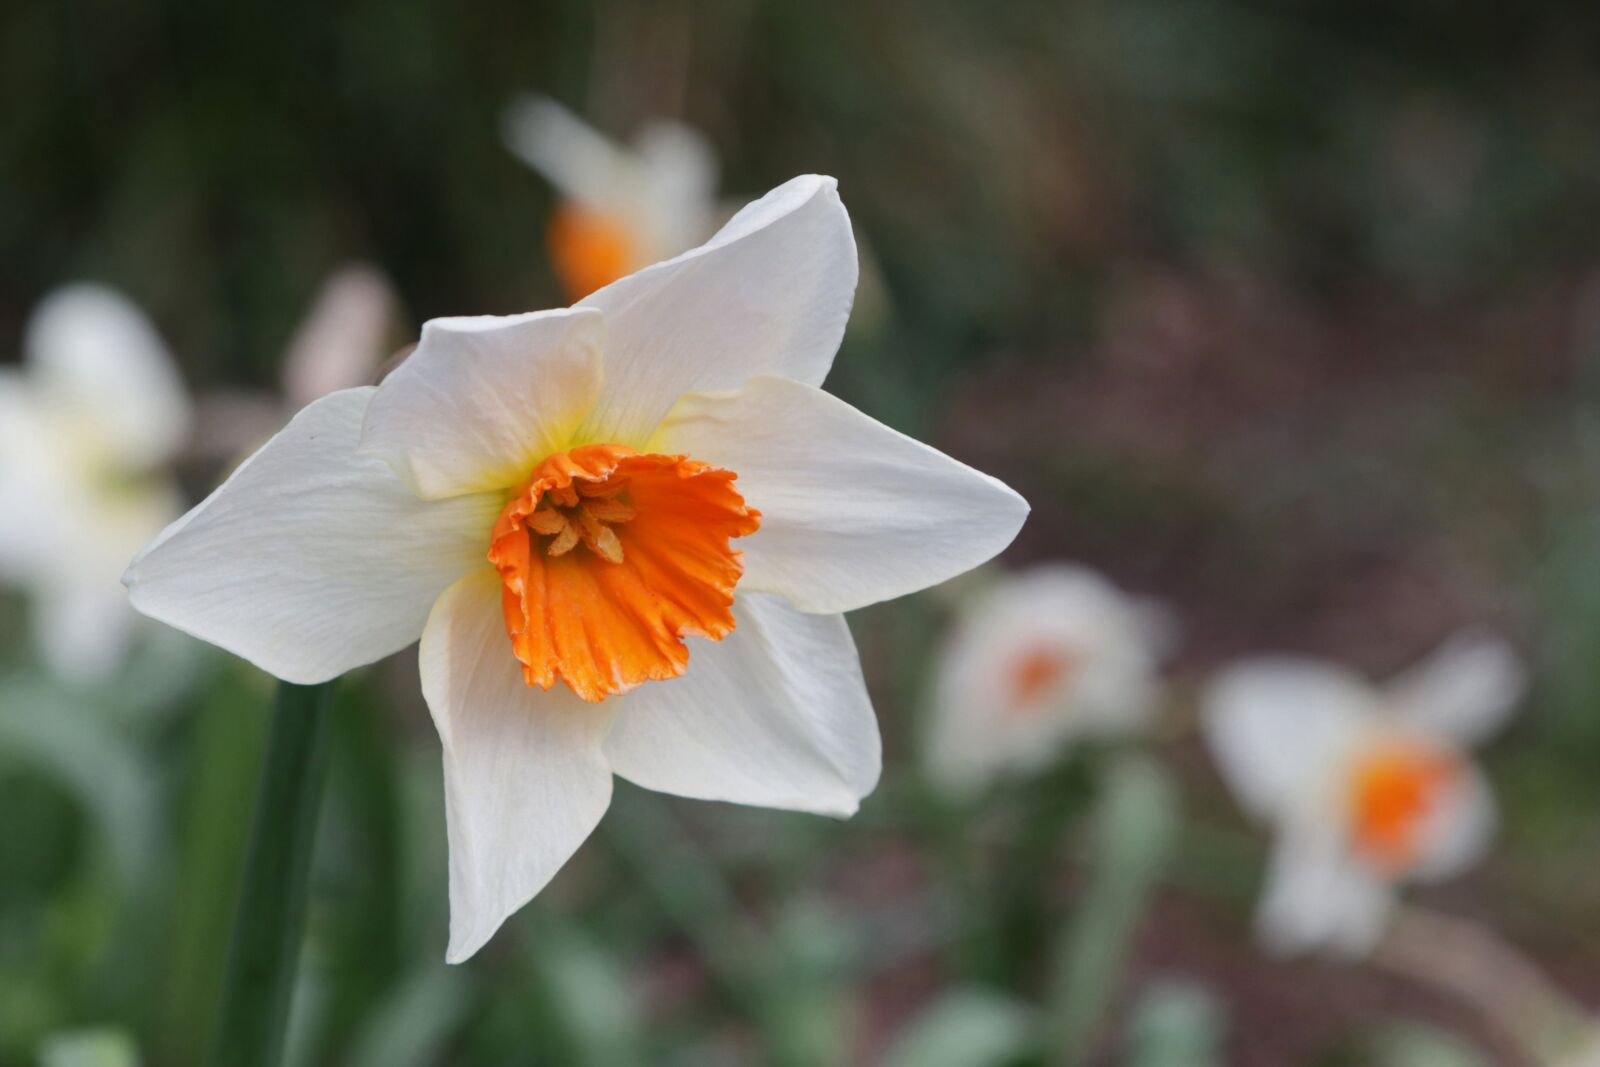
(580, 512)
(607, 546)
(565, 541)
(588, 525)
(547, 521)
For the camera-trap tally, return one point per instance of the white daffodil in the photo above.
(345, 337)
(1366, 787)
(623, 207)
(1040, 659)
(87, 427)
(552, 502)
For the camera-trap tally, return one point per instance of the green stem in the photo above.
(271, 912)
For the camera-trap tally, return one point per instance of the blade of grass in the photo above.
(1135, 826)
(228, 735)
(270, 918)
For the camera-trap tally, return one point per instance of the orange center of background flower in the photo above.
(1392, 790)
(589, 250)
(1038, 671)
(609, 557)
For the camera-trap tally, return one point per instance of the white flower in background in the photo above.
(1040, 659)
(88, 426)
(1365, 786)
(548, 500)
(623, 207)
(343, 341)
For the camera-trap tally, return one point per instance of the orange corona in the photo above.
(1392, 790)
(609, 557)
(589, 250)
(1038, 671)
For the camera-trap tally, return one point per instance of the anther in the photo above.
(547, 521)
(565, 541)
(580, 512)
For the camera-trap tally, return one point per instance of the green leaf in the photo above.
(82, 751)
(225, 740)
(89, 1048)
(270, 915)
(966, 1028)
(411, 1027)
(1175, 1024)
(1134, 831)
(810, 1016)
(589, 997)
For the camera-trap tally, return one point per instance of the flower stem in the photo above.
(1506, 988)
(270, 918)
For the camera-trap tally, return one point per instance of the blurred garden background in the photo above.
(1284, 315)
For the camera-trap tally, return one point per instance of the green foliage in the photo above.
(269, 917)
(1408, 1044)
(966, 1028)
(1133, 832)
(1176, 1024)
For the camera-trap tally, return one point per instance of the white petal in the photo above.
(582, 163)
(1457, 831)
(982, 727)
(97, 355)
(769, 294)
(313, 558)
(1317, 896)
(525, 779)
(343, 339)
(38, 490)
(1464, 691)
(775, 714)
(851, 511)
(82, 628)
(1280, 726)
(67, 532)
(81, 617)
(482, 400)
(662, 188)
(678, 186)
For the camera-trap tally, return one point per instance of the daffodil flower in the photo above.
(87, 428)
(1365, 786)
(555, 502)
(623, 207)
(342, 342)
(344, 337)
(1038, 660)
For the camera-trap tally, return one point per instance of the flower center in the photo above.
(609, 557)
(589, 250)
(1392, 790)
(1038, 671)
